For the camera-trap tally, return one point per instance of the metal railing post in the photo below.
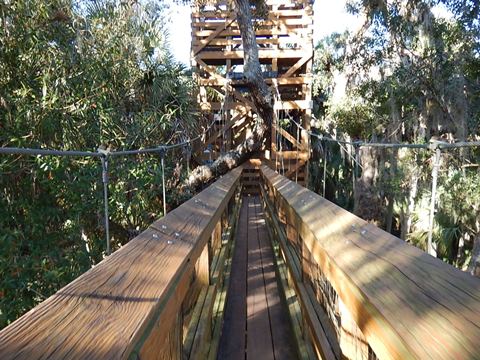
(436, 165)
(104, 159)
(324, 167)
(162, 164)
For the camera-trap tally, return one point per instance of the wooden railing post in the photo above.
(203, 267)
(137, 303)
(367, 294)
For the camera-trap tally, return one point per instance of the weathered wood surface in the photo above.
(316, 322)
(282, 334)
(259, 336)
(256, 324)
(232, 341)
(129, 303)
(407, 303)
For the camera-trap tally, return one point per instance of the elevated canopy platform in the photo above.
(285, 43)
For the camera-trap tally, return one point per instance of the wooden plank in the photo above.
(290, 138)
(293, 104)
(262, 54)
(259, 337)
(227, 126)
(192, 327)
(218, 30)
(282, 335)
(230, 42)
(319, 335)
(224, 285)
(202, 267)
(299, 80)
(403, 300)
(131, 299)
(297, 66)
(232, 342)
(213, 23)
(281, 31)
(204, 330)
(290, 155)
(271, 14)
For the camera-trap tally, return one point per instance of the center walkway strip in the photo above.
(256, 322)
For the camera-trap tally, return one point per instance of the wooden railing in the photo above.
(364, 293)
(161, 296)
(353, 291)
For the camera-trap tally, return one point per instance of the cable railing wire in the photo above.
(104, 155)
(435, 146)
(100, 153)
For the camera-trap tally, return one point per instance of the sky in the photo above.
(329, 16)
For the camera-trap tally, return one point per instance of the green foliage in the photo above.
(407, 75)
(77, 76)
(339, 173)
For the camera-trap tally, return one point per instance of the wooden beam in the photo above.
(294, 104)
(297, 66)
(295, 168)
(218, 30)
(408, 304)
(228, 125)
(289, 137)
(225, 13)
(300, 80)
(262, 23)
(290, 155)
(230, 88)
(282, 31)
(262, 54)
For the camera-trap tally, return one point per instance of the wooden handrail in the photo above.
(407, 304)
(129, 305)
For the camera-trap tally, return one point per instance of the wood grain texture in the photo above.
(407, 303)
(129, 301)
(259, 336)
(232, 341)
(256, 321)
(280, 325)
(326, 347)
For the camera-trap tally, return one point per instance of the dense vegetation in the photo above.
(76, 77)
(405, 76)
(79, 75)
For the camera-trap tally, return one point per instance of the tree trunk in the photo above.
(261, 96)
(367, 202)
(474, 267)
(412, 194)
(393, 132)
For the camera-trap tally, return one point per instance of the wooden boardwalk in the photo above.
(256, 321)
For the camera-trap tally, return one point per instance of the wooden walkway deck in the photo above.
(256, 322)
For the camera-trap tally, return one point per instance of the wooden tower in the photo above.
(285, 42)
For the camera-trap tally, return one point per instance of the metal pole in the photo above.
(355, 169)
(324, 167)
(104, 160)
(357, 159)
(162, 162)
(189, 153)
(296, 165)
(436, 165)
